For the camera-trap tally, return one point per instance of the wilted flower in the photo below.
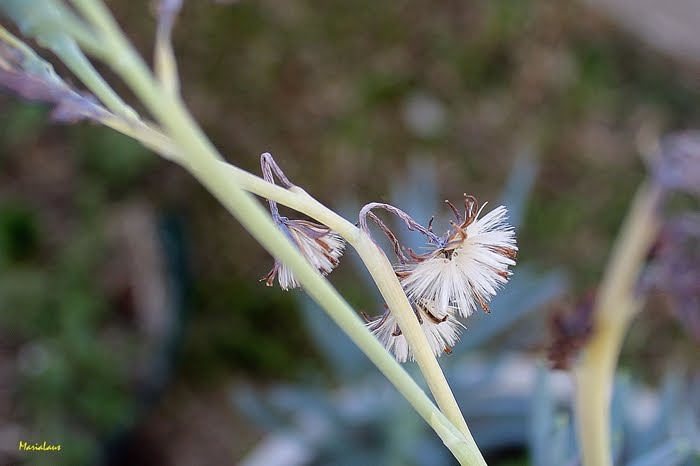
(466, 266)
(441, 330)
(464, 269)
(318, 244)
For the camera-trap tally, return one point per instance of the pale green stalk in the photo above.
(617, 303)
(164, 61)
(123, 119)
(205, 164)
(69, 52)
(47, 18)
(145, 133)
(30, 59)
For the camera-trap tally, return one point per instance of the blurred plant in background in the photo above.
(86, 334)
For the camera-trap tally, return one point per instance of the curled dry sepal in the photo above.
(26, 75)
(461, 271)
(321, 246)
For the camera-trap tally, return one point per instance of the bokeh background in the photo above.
(130, 308)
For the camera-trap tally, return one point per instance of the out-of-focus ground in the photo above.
(666, 26)
(344, 95)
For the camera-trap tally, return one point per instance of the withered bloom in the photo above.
(463, 270)
(467, 266)
(441, 330)
(320, 245)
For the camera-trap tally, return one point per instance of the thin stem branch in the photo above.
(145, 133)
(616, 305)
(69, 52)
(163, 55)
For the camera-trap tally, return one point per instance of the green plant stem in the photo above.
(56, 29)
(204, 163)
(69, 52)
(615, 306)
(148, 135)
(164, 61)
(47, 20)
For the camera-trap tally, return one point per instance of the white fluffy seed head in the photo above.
(441, 334)
(468, 276)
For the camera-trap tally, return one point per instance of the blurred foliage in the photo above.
(72, 384)
(119, 162)
(18, 233)
(239, 323)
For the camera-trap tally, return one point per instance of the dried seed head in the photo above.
(468, 266)
(441, 330)
(321, 246)
(462, 271)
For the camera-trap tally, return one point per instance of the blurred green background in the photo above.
(96, 233)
